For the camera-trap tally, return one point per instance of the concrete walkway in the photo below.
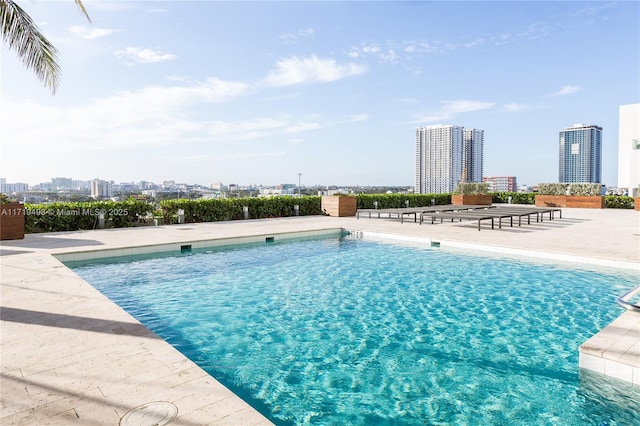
(70, 356)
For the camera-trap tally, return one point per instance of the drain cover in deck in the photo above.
(150, 414)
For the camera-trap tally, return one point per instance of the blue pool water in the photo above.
(346, 331)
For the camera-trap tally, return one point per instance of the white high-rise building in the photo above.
(444, 153)
(101, 189)
(472, 154)
(439, 158)
(629, 148)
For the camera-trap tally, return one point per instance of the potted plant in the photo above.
(551, 195)
(636, 199)
(472, 193)
(339, 205)
(585, 195)
(11, 219)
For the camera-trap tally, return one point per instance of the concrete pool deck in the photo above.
(71, 356)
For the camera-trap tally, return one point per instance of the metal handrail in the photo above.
(624, 300)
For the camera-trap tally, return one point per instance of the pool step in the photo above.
(615, 350)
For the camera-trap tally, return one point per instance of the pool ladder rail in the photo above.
(624, 300)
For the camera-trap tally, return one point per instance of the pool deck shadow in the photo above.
(84, 323)
(44, 241)
(71, 356)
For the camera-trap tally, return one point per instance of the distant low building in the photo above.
(12, 188)
(128, 187)
(501, 183)
(81, 185)
(61, 183)
(101, 189)
(45, 187)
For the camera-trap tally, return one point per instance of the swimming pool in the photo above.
(347, 331)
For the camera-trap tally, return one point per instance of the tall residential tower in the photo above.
(472, 155)
(443, 154)
(580, 154)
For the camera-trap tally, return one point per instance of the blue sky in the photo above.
(257, 92)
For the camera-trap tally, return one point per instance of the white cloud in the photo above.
(594, 10)
(244, 130)
(153, 116)
(293, 38)
(144, 56)
(388, 53)
(420, 46)
(253, 155)
(357, 117)
(537, 30)
(451, 109)
(566, 90)
(456, 107)
(89, 33)
(302, 127)
(198, 158)
(296, 70)
(512, 107)
(476, 42)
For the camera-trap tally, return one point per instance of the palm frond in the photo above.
(84, 11)
(22, 35)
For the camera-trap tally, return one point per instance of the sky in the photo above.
(258, 92)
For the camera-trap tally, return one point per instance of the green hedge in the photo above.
(215, 210)
(393, 201)
(618, 202)
(75, 216)
(516, 197)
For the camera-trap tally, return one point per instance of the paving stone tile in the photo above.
(22, 418)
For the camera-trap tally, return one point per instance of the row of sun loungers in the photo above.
(417, 211)
(466, 212)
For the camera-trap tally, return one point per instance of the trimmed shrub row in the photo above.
(569, 189)
(215, 210)
(516, 197)
(618, 202)
(394, 201)
(75, 216)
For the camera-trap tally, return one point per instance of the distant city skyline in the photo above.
(258, 92)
